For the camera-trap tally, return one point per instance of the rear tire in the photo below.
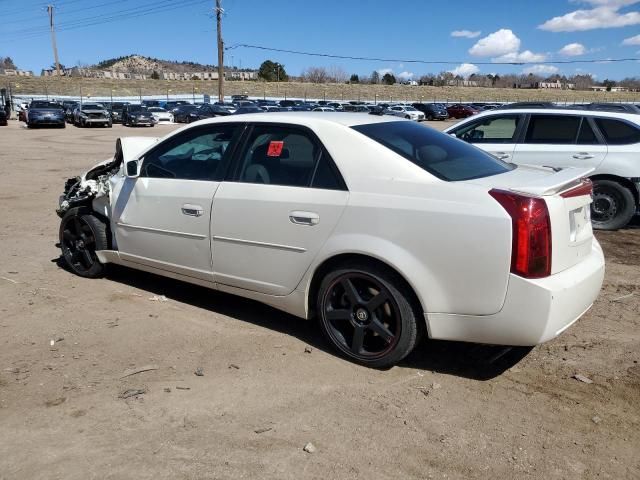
(81, 234)
(367, 315)
(613, 205)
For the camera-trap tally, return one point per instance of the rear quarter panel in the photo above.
(451, 243)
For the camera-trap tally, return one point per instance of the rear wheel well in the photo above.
(354, 258)
(625, 182)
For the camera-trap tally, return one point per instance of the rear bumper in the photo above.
(534, 311)
(46, 121)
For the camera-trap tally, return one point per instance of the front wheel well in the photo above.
(625, 182)
(344, 259)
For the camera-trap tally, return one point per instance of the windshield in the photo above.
(410, 109)
(92, 106)
(137, 108)
(41, 104)
(441, 155)
(156, 109)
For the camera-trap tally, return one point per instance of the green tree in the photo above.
(272, 72)
(608, 84)
(375, 77)
(388, 79)
(354, 79)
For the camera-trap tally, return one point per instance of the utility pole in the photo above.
(53, 38)
(219, 12)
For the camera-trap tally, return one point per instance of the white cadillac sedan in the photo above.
(381, 228)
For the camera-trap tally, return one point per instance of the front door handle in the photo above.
(583, 156)
(502, 155)
(192, 210)
(304, 218)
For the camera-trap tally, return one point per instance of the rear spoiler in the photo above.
(558, 182)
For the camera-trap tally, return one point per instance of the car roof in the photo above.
(308, 119)
(633, 117)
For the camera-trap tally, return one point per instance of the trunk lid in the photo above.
(568, 200)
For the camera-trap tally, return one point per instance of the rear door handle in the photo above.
(304, 218)
(502, 155)
(192, 210)
(583, 156)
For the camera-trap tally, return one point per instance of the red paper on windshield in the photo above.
(275, 148)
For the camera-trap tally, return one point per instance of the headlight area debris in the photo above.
(79, 191)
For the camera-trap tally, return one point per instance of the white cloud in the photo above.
(384, 71)
(465, 70)
(541, 70)
(465, 33)
(495, 44)
(520, 57)
(405, 75)
(605, 14)
(573, 50)
(632, 40)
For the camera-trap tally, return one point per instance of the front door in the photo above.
(495, 134)
(270, 220)
(162, 218)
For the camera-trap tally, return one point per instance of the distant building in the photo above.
(11, 72)
(601, 88)
(557, 85)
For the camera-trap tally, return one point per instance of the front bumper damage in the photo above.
(81, 191)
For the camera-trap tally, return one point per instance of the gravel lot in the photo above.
(451, 410)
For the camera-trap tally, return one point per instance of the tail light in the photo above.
(531, 233)
(584, 188)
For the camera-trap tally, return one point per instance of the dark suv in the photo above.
(136, 116)
(432, 111)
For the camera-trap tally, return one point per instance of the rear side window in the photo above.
(553, 129)
(617, 132)
(439, 154)
(586, 135)
(282, 155)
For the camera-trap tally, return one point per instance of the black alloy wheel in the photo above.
(81, 234)
(366, 317)
(613, 205)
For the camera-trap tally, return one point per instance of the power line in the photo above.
(144, 10)
(426, 62)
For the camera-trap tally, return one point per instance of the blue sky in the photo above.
(488, 31)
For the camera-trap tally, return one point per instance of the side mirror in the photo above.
(132, 169)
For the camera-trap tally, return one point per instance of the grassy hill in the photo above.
(105, 87)
(142, 64)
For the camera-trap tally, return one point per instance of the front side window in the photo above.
(197, 154)
(553, 129)
(495, 129)
(441, 155)
(617, 132)
(282, 155)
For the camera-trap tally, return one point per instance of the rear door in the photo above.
(276, 211)
(495, 134)
(560, 140)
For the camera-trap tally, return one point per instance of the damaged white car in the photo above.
(381, 228)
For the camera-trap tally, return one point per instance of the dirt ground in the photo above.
(451, 410)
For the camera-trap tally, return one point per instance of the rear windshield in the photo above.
(441, 155)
